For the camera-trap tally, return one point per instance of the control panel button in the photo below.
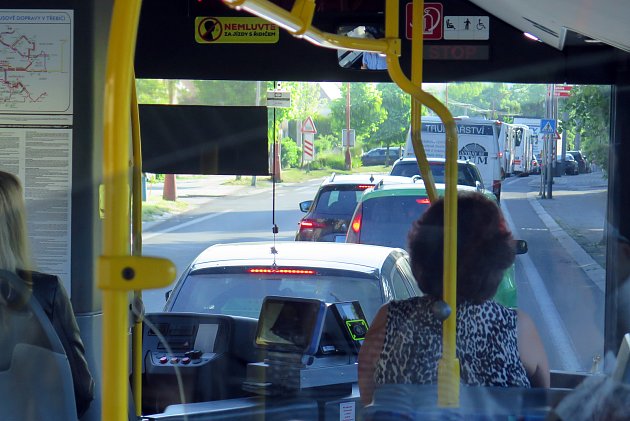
(163, 360)
(174, 360)
(185, 360)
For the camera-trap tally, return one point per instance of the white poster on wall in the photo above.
(36, 113)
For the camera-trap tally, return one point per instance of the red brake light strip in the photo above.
(283, 271)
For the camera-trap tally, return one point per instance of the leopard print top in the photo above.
(486, 345)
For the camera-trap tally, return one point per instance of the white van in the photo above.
(517, 149)
(478, 143)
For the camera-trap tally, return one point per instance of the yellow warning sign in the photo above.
(232, 30)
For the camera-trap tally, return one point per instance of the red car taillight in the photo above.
(354, 233)
(310, 224)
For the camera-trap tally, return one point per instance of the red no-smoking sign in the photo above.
(432, 20)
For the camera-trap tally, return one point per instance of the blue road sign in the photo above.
(547, 126)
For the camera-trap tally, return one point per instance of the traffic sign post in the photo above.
(547, 126)
(562, 90)
(548, 130)
(278, 99)
(308, 131)
(347, 137)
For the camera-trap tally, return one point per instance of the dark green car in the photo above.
(384, 216)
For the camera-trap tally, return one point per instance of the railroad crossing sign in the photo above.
(547, 126)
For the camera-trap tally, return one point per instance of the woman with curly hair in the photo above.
(495, 345)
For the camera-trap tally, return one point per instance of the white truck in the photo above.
(478, 143)
(517, 149)
(537, 138)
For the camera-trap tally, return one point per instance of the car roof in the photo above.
(433, 160)
(410, 189)
(358, 257)
(340, 179)
(462, 119)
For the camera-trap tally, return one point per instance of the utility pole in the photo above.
(348, 156)
(551, 138)
(169, 191)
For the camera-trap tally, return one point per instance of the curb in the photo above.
(591, 268)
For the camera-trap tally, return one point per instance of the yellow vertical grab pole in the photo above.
(122, 42)
(136, 247)
(416, 106)
(448, 366)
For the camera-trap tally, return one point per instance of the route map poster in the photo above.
(36, 117)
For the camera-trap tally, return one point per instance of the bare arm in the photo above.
(370, 353)
(532, 351)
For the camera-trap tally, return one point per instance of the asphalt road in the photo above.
(560, 280)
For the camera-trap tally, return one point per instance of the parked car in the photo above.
(570, 164)
(233, 279)
(467, 173)
(584, 166)
(381, 156)
(384, 216)
(328, 214)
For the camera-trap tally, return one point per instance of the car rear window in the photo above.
(243, 294)
(465, 175)
(386, 220)
(338, 202)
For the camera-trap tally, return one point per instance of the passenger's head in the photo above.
(13, 237)
(484, 248)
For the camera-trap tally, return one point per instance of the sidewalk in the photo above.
(578, 206)
(198, 191)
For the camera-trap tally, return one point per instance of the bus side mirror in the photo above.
(520, 246)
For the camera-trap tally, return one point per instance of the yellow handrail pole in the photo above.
(416, 106)
(136, 245)
(122, 41)
(448, 369)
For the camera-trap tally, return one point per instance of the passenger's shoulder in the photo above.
(45, 278)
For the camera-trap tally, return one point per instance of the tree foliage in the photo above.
(397, 106)
(588, 110)
(366, 112)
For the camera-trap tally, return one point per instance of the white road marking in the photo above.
(184, 224)
(563, 345)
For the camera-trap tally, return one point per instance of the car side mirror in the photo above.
(478, 186)
(520, 246)
(306, 205)
(167, 294)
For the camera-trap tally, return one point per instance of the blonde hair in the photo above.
(14, 253)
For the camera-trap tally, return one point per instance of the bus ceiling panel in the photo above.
(205, 41)
(604, 21)
(192, 139)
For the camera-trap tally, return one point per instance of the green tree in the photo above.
(152, 91)
(397, 105)
(531, 99)
(233, 92)
(366, 112)
(588, 109)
